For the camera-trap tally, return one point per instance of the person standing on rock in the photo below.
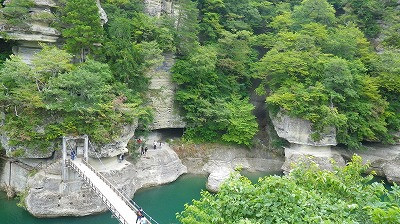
(154, 144)
(145, 150)
(142, 150)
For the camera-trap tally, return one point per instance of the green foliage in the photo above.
(5, 51)
(16, 12)
(318, 11)
(53, 98)
(186, 27)
(242, 125)
(81, 26)
(211, 97)
(307, 195)
(326, 73)
(365, 13)
(84, 89)
(22, 198)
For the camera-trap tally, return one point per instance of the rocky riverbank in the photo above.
(220, 160)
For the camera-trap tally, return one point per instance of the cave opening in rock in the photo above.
(163, 135)
(5, 50)
(170, 133)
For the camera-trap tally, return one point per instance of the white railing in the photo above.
(128, 202)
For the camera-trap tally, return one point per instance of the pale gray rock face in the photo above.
(28, 38)
(27, 152)
(298, 131)
(162, 95)
(219, 160)
(18, 179)
(117, 146)
(321, 155)
(46, 197)
(383, 159)
(159, 7)
(103, 15)
(217, 177)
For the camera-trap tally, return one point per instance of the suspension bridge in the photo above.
(123, 209)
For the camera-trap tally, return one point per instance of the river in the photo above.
(162, 202)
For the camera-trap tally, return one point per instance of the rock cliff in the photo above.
(36, 30)
(159, 7)
(383, 159)
(220, 160)
(162, 95)
(303, 148)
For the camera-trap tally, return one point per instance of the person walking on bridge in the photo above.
(139, 215)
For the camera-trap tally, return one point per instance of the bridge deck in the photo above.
(126, 214)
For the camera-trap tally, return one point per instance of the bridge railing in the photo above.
(127, 201)
(97, 191)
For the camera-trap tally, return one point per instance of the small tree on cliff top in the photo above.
(83, 28)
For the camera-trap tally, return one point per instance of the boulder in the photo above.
(298, 131)
(217, 177)
(324, 157)
(162, 95)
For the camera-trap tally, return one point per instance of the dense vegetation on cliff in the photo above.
(306, 195)
(315, 59)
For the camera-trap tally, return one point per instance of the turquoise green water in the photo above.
(161, 202)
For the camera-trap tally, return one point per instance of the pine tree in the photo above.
(83, 30)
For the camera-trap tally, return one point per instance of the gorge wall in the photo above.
(36, 31)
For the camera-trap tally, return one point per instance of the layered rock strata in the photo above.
(162, 94)
(29, 36)
(219, 161)
(303, 148)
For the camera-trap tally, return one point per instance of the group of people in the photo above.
(155, 144)
(143, 148)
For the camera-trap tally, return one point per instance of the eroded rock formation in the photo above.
(162, 96)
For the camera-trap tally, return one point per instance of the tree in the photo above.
(307, 195)
(319, 11)
(81, 27)
(84, 89)
(16, 12)
(242, 125)
(187, 27)
(50, 62)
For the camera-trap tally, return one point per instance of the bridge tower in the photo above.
(70, 144)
